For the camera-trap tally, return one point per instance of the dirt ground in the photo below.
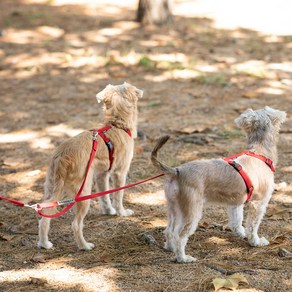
(197, 78)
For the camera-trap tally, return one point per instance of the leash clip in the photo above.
(36, 207)
(94, 135)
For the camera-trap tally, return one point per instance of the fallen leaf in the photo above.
(231, 282)
(39, 258)
(284, 253)
(5, 237)
(218, 283)
(204, 225)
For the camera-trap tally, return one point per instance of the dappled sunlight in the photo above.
(198, 73)
(39, 139)
(21, 36)
(153, 198)
(264, 16)
(218, 240)
(65, 276)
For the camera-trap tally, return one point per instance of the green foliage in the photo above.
(213, 79)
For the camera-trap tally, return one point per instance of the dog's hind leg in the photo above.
(190, 218)
(52, 193)
(81, 211)
(119, 180)
(171, 192)
(169, 245)
(256, 211)
(102, 182)
(235, 215)
(44, 228)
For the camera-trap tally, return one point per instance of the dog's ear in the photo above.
(248, 120)
(277, 117)
(101, 96)
(138, 92)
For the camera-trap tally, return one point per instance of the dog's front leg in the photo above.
(102, 182)
(235, 215)
(119, 180)
(256, 211)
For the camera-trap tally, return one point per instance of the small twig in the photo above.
(231, 272)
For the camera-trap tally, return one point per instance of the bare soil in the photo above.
(196, 79)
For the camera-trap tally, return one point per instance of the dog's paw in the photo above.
(240, 232)
(109, 211)
(87, 246)
(186, 259)
(263, 241)
(46, 245)
(259, 241)
(168, 247)
(125, 212)
(112, 211)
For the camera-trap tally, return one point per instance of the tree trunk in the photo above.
(154, 11)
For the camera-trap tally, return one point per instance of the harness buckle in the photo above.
(94, 135)
(109, 145)
(237, 166)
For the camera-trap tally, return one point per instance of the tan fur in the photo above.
(189, 186)
(69, 162)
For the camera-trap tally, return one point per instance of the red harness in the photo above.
(107, 141)
(238, 167)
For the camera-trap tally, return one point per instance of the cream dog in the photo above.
(68, 165)
(190, 185)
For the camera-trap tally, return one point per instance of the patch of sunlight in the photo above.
(22, 36)
(18, 137)
(61, 129)
(66, 276)
(158, 78)
(254, 68)
(39, 139)
(283, 198)
(207, 68)
(42, 143)
(268, 17)
(185, 74)
(270, 90)
(285, 66)
(91, 78)
(155, 198)
(77, 62)
(176, 57)
(29, 61)
(149, 43)
(218, 240)
(156, 222)
(110, 31)
(126, 25)
(90, 36)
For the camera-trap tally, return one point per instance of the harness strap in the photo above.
(69, 206)
(238, 167)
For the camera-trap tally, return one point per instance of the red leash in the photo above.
(70, 202)
(40, 206)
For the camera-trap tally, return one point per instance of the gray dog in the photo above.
(189, 186)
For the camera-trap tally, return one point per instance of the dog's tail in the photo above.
(161, 166)
(54, 183)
